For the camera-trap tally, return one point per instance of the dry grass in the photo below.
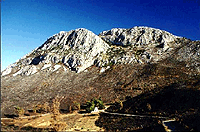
(19, 111)
(63, 122)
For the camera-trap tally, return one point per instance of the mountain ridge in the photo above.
(79, 49)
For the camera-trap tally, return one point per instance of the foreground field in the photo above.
(48, 122)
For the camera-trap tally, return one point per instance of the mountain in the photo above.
(81, 65)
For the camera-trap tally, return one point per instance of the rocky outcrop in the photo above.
(138, 36)
(77, 50)
(189, 53)
(144, 44)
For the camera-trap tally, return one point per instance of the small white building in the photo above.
(95, 110)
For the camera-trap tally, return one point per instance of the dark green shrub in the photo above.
(99, 103)
(90, 105)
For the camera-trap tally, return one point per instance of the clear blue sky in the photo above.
(26, 24)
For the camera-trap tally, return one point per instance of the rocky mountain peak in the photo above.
(75, 50)
(137, 36)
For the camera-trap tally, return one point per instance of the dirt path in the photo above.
(120, 114)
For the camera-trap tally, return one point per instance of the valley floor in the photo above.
(81, 121)
(68, 122)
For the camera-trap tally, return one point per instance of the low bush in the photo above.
(20, 111)
(90, 105)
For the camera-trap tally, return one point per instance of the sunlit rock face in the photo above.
(148, 44)
(138, 36)
(75, 50)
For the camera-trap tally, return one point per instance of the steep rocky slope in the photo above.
(150, 45)
(81, 65)
(76, 49)
(138, 36)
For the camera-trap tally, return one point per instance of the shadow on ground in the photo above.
(174, 101)
(122, 123)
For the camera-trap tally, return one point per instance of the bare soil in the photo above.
(46, 122)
